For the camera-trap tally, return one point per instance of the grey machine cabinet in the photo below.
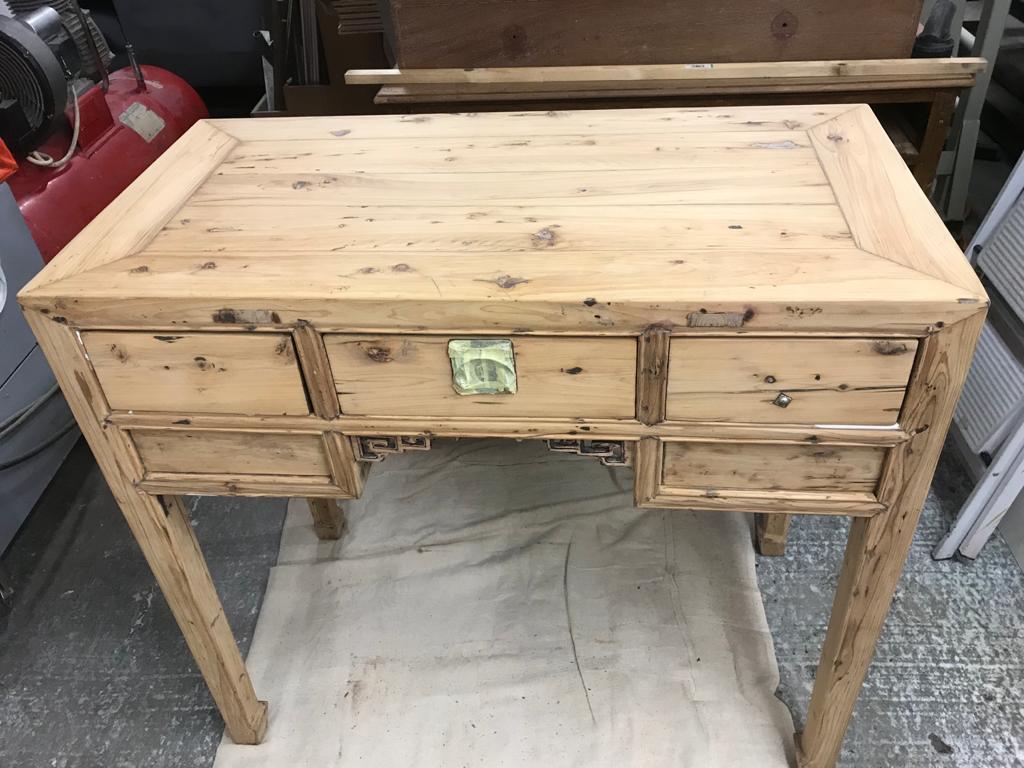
(24, 377)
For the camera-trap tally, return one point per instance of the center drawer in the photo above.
(411, 375)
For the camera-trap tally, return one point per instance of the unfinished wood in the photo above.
(828, 381)
(381, 237)
(467, 189)
(328, 518)
(650, 490)
(712, 467)
(669, 122)
(485, 98)
(611, 76)
(165, 536)
(877, 547)
(139, 212)
(316, 370)
(595, 293)
(936, 130)
(562, 230)
(628, 148)
(652, 375)
(200, 452)
(454, 426)
(346, 470)
(889, 221)
(655, 89)
(476, 33)
(772, 532)
(412, 376)
(276, 486)
(803, 95)
(646, 471)
(198, 372)
(844, 503)
(793, 228)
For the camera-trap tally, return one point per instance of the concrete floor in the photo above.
(94, 674)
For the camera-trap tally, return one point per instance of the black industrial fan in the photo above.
(33, 81)
(42, 49)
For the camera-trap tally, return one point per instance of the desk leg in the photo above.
(328, 518)
(878, 546)
(164, 533)
(173, 553)
(772, 531)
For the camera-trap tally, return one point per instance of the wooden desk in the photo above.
(756, 307)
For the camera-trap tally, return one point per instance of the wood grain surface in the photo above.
(593, 222)
(829, 381)
(477, 33)
(772, 467)
(251, 453)
(412, 376)
(200, 372)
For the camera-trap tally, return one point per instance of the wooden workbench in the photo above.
(755, 307)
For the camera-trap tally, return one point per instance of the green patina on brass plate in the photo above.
(483, 366)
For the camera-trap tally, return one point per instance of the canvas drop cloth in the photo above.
(495, 604)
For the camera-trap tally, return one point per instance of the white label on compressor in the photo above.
(142, 120)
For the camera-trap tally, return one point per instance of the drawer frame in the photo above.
(344, 480)
(650, 490)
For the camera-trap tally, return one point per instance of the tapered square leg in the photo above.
(164, 533)
(328, 518)
(772, 531)
(178, 564)
(878, 546)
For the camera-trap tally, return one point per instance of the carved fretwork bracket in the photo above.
(612, 453)
(378, 448)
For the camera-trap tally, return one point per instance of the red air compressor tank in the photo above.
(121, 133)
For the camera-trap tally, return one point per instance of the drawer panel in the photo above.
(233, 373)
(771, 467)
(556, 377)
(231, 453)
(828, 380)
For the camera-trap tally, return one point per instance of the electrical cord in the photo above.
(21, 459)
(41, 158)
(18, 418)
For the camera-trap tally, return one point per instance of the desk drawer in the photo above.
(788, 380)
(236, 373)
(555, 377)
(231, 453)
(712, 467)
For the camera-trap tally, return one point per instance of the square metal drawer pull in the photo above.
(483, 366)
(782, 400)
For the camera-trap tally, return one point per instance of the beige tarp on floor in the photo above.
(495, 604)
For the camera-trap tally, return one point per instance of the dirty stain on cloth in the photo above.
(496, 604)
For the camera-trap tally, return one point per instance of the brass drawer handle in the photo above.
(483, 366)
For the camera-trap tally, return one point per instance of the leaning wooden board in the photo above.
(484, 33)
(755, 307)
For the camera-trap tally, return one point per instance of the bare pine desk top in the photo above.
(755, 307)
